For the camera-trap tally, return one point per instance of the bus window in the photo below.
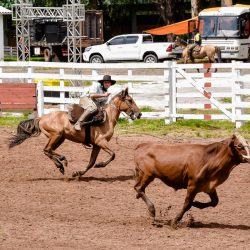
(207, 26)
(228, 27)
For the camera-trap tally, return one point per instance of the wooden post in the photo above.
(236, 97)
(62, 94)
(172, 93)
(1, 38)
(40, 99)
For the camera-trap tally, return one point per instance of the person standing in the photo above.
(97, 96)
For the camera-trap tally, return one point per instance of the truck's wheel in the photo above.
(248, 59)
(96, 59)
(47, 55)
(150, 58)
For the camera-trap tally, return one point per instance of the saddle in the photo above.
(197, 49)
(75, 111)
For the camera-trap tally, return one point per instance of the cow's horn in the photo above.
(246, 156)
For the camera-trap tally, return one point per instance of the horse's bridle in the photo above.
(130, 112)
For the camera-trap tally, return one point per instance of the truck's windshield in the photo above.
(222, 26)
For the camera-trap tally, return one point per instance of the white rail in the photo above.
(171, 90)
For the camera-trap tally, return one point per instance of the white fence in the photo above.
(173, 90)
(10, 51)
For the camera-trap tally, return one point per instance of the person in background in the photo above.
(97, 96)
(197, 41)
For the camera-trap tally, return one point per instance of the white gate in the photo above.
(208, 94)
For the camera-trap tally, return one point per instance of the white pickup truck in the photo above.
(129, 47)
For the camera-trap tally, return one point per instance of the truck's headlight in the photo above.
(87, 49)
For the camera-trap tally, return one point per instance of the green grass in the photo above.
(157, 127)
(11, 121)
(146, 109)
(182, 128)
(13, 58)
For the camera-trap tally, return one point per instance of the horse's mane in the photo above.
(117, 95)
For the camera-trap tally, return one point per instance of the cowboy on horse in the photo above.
(97, 96)
(197, 42)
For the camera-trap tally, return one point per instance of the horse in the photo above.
(57, 127)
(208, 51)
(195, 167)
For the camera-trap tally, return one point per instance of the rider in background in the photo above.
(97, 96)
(197, 41)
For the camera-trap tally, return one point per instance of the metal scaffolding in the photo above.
(73, 13)
(19, 14)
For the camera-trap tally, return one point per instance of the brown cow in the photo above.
(195, 167)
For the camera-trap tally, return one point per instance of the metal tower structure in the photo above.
(73, 13)
(19, 14)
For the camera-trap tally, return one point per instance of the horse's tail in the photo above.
(25, 130)
(218, 52)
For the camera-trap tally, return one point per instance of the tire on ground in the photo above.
(47, 55)
(150, 58)
(96, 59)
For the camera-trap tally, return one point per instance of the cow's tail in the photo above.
(218, 52)
(25, 129)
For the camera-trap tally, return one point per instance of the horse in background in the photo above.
(199, 52)
(58, 127)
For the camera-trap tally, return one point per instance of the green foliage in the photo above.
(7, 3)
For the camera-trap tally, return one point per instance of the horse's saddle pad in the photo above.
(75, 111)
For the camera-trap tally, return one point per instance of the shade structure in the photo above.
(175, 28)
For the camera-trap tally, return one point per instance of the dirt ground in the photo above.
(42, 209)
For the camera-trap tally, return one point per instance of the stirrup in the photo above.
(78, 127)
(88, 145)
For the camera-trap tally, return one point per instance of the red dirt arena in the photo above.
(42, 209)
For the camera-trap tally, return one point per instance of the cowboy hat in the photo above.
(107, 78)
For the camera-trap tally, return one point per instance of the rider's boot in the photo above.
(83, 118)
(189, 54)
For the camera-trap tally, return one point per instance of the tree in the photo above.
(7, 3)
(167, 10)
(195, 8)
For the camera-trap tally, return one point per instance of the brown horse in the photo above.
(57, 127)
(208, 51)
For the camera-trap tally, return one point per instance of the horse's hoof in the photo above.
(61, 170)
(174, 224)
(75, 174)
(99, 165)
(65, 163)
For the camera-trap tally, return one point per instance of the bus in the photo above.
(228, 28)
